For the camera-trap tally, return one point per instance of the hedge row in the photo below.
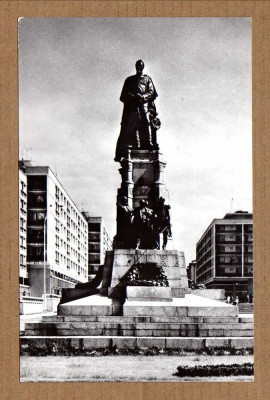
(216, 370)
(67, 348)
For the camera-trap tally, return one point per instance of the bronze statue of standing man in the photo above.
(139, 120)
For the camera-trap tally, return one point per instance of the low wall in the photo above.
(33, 306)
(213, 294)
(52, 304)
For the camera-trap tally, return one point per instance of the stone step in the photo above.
(132, 309)
(245, 320)
(67, 309)
(137, 329)
(137, 325)
(98, 342)
(125, 319)
(142, 332)
(238, 325)
(165, 309)
(128, 319)
(225, 332)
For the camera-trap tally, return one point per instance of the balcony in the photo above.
(37, 191)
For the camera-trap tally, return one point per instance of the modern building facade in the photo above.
(98, 243)
(24, 287)
(191, 271)
(57, 234)
(224, 255)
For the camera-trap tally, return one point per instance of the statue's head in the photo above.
(143, 203)
(139, 67)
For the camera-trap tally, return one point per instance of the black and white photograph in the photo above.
(135, 199)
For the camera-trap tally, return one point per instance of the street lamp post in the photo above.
(44, 262)
(45, 259)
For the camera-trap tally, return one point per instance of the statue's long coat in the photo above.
(131, 113)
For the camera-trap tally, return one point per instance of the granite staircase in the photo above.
(191, 323)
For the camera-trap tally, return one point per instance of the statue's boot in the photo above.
(150, 142)
(138, 139)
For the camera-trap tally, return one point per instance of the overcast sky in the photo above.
(71, 72)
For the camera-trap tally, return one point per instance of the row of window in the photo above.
(69, 208)
(22, 224)
(230, 260)
(59, 258)
(205, 239)
(71, 241)
(207, 273)
(236, 228)
(73, 253)
(22, 242)
(59, 227)
(23, 188)
(234, 238)
(208, 265)
(23, 206)
(22, 260)
(201, 258)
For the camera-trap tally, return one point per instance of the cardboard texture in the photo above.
(11, 388)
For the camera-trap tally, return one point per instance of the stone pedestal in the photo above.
(142, 177)
(144, 275)
(171, 261)
(148, 293)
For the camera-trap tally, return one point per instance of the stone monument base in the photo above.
(144, 302)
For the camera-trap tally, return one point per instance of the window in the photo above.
(36, 217)
(94, 227)
(22, 205)
(35, 235)
(22, 239)
(21, 224)
(35, 253)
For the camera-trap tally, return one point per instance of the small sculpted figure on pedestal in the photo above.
(124, 223)
(162, 221)
(139, 120)
(143, 227)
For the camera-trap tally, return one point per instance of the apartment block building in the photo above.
(99, 242)
(56, 235)
(224, 255)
